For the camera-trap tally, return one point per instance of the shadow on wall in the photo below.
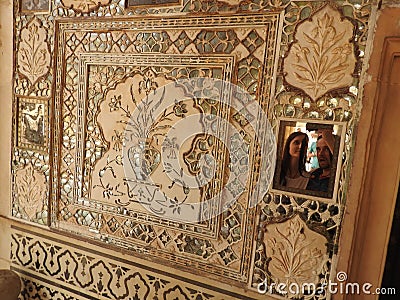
(10, 285)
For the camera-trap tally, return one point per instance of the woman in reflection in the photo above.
(293, 167)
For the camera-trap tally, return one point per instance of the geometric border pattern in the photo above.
(47, 264)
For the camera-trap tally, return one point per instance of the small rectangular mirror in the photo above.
(309, 156)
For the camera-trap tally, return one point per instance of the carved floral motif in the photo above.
(84, 5)
(322, 59)
(297, 253)
(33, 54)
(145, 135)
(31, 190)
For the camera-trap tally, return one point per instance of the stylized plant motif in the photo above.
(148, 84)
(180, 109)
(115, 103)
(323, 57)
(170, 146)
(118, 139)
(33, 54)
(294, 257)
(31, 191)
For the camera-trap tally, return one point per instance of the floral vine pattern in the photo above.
(144, 157)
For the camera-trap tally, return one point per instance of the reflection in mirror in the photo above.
(308, 154)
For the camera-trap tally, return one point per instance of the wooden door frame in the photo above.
(376, 164)
(379, 194)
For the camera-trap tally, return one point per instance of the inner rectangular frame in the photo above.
(339, 147)
(86, 60)
(152, 3)
(35, 10)
(43, 103)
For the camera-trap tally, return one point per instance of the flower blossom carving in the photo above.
(31, 189)
(297, 253)
(33, 55)
(322, 58)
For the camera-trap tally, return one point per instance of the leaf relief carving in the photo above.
(297, 253)
(33, 54)
(322, 59)
(31, 190)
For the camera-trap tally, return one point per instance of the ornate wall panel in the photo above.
(92, 77)
(114, 82)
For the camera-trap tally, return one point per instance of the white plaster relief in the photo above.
(33, 54)
(322, 57)
(297, 253)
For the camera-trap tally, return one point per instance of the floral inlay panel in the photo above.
(297, 254)
(33, 55)
(32, 123)
(96, 102)
(31, 191)
(35, 6)
(322, 56)
(115, 118)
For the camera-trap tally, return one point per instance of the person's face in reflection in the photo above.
(323, 154)
(295, 146)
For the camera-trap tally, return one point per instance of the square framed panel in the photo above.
(309, 158)
(32, 124)
(152, 3)
(104, 76)
(35, 6)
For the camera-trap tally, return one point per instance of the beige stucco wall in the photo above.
(6, 46)
(374, 182)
